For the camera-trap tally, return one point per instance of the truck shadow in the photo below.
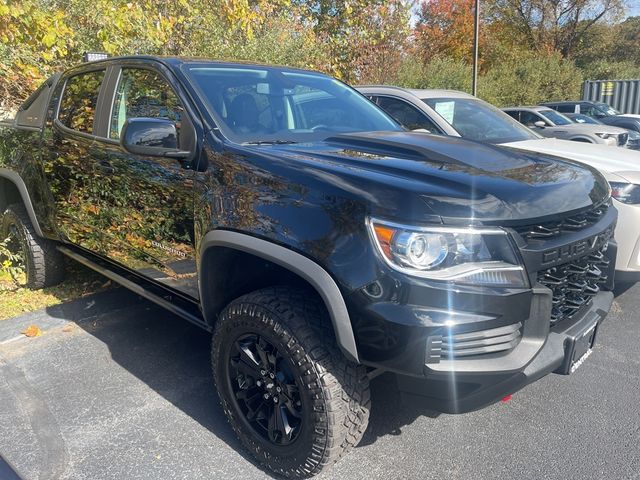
(172, 357)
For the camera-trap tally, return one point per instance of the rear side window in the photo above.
(33, 110)
(515, 114)
(79, 101)
(406, 114)
(566, 108)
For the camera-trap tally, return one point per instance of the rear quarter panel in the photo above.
(20, 150)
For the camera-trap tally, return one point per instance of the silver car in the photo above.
(549, 123)
(458, 114)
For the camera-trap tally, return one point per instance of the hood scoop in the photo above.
(393, 144)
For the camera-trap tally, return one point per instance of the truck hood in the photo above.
(455, 179)
(604, 158)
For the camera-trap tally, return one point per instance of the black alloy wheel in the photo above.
(34, 261)
(265, 389)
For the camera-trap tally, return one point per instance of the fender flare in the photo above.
(300, 265)
(14, 178)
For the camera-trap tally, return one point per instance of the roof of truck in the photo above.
(177, 61)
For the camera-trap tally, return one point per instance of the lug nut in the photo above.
(275, 399)
(278, 389)
(258, 383)
(266, 396)
(263, 372)
(272, 375)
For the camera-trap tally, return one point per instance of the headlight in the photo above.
(479, 256)
(604, 135)
(625, 192)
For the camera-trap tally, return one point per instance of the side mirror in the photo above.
(157, 137)
(539, 124)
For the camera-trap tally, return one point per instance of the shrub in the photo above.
(441, 72)
(611, 70)
(529, 79)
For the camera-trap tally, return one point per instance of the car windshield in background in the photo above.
(555, 117)
(582, 118)
(475, 119)
(606, 109)
(269, 105)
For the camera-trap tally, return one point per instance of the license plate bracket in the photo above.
(579, 348)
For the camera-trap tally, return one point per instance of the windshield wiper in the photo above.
(271, 142)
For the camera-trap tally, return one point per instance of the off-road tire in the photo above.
(44, 265)
(334, 391)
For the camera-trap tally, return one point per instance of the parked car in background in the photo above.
(549, 123)
(633, 142)
(602, 111)
(449, 112)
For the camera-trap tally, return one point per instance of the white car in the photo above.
(448, 112)
(552, 124)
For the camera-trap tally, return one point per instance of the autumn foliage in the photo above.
(445, 28)
(409, 42)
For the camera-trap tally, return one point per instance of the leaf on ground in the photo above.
(32, 331)
(67, 328)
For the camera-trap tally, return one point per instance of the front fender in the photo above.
(310, 271)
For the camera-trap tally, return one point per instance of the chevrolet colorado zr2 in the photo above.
(318, 241)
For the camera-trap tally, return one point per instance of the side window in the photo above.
(588, 110)
(32, 111)
(529, 119)
(79, 100)
(143, 93)
(406, 114)
(565, 108)
(515, 114)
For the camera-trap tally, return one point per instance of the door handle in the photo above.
(105, 166)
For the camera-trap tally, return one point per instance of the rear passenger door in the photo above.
(68, 157)
(146, 202)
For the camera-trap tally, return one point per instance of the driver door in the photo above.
(147, 202)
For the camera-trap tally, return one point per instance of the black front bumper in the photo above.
(459, 348)
(452, 390)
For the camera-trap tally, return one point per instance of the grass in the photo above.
(79, 282)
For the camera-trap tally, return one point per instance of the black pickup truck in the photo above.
(318, 241)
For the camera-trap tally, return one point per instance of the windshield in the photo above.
(475, 119)
(581, 118)
(606, 109)
(555, 117)
(267, 105)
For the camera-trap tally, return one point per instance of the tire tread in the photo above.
(341, 386)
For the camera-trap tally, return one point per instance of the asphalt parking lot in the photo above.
(116, 388)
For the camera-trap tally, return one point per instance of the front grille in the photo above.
(622, 139)
(574, 284)
(484, 341)
(547, 230)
